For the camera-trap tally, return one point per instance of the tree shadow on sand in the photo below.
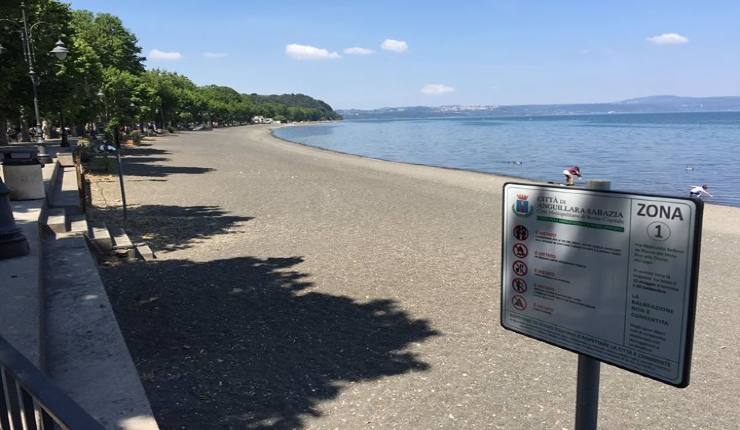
(244, 343)
(147, 161)
(170, 228)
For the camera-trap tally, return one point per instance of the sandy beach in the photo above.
(301, 288)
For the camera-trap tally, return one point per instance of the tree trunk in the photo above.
(3, 130)
(116, 138)
(25, 135)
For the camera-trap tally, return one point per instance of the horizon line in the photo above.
(539, 104)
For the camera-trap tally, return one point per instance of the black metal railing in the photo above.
(30, 401)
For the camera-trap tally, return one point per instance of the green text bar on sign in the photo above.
(580, 223)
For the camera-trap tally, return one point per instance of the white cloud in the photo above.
(395, 45)
(215, 54)
(358, 51)
(668, 39)
(436, 89)
(156, 54)
(306, 52)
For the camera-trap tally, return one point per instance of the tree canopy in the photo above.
(114, 45)
(103, 78)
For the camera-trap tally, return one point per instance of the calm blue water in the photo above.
(651, 153)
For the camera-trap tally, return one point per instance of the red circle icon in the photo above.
(519, 285)
(520, 250)
(520, 268)
(519, 302)
(521, 232)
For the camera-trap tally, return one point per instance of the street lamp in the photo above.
(104, 113)
(60, 51)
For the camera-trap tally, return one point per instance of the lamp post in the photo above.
(59, 51)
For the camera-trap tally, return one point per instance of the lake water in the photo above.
(650, 153)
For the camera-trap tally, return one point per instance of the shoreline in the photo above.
(717, 217)
(403, 163)
(459, 169)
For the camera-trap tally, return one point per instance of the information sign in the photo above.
(607, 274)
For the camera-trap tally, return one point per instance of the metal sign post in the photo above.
(587, 392)
(104, 148)
(589, 370)
(120, 180)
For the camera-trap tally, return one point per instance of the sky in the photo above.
(371, 54)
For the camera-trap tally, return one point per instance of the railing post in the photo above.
(30, 401)
(12, 408)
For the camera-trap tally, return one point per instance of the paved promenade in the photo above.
(299, 288)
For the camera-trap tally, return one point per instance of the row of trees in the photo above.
(104, 80)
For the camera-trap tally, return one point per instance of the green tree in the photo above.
(73, 88)
(112, 42)
(16, 99)
(177, 100)
(119, 97)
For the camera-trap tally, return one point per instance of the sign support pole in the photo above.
(120, 180)
(589, 369)
(587, 393)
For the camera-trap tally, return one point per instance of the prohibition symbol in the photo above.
(519, 285)
(520, 250)
(519, 268)
(519, 302)
(521, 232)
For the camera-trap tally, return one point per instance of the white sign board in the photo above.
(606, 274)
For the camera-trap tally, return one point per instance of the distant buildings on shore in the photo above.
(262, 120)
(651, 104)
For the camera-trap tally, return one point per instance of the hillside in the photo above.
(316, 108)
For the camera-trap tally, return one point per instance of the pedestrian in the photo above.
(699, 191)
(570, 175)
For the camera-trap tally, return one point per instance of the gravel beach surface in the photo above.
(300, 288)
